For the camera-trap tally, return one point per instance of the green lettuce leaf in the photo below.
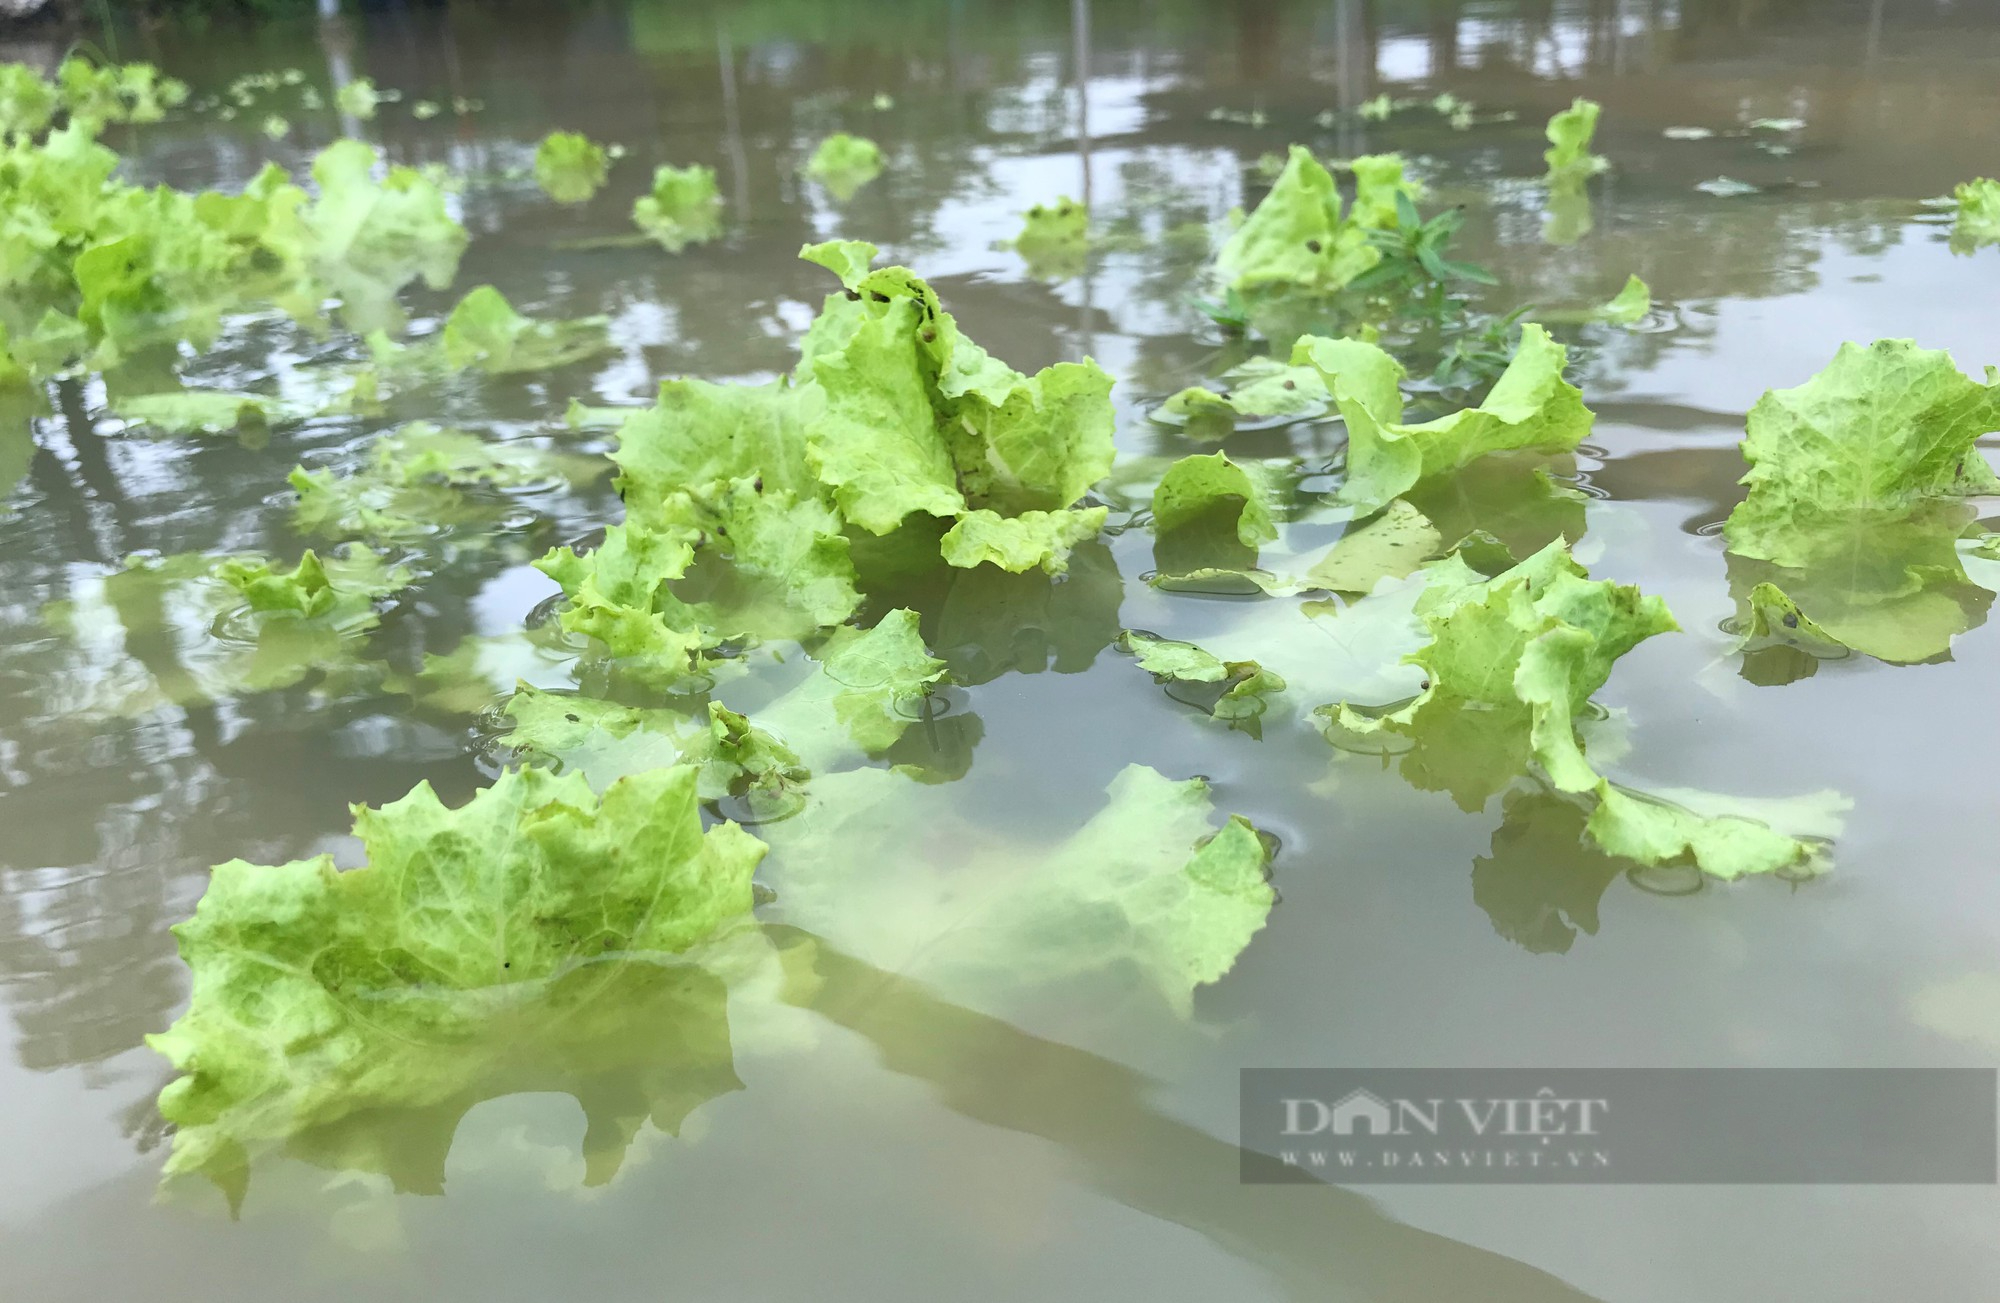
(321, 994)
(1147, 891)
(415, 481)
(1042, 446)
(1236, 692)
(1857, 485)
(700, 433)
(1508, 673)
(358, 99)
(682, 208)
(1378, 183)
(1054, 239)
(844, 163)
(200, 411)
(189, 628)
(1295, 237)
(1530, 407)
(789, 573)
(485, 331)
(1978, 218)
(877, 443)
(1390, 545)
(604, 742)
(1038, 539)
(368, 239)
(1629, 306)
(1569, 133)
(618, 595)
(570, 168)
(860, 695)
(1200, 486)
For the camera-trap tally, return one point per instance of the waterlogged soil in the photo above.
(878, 1136)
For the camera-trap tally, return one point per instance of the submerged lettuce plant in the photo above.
(191, 628)
(1571, 165)
(1508, 674)
(1530, 407)
(1857, 505)
(570, 167)
(1147, 889)
(519, 931)
(1977, 223)
(682, 208)
(1054, 239)
(844, 163)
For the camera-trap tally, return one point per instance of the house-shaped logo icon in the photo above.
(1361, 1111)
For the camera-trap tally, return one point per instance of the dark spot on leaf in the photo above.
(929, 336)
(855, 295)
(1791, 620)
(878, 296)
(574, 719)
(757, 485)
(1291, 384)
(1312, 246)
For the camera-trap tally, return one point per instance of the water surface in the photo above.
(893, 1140)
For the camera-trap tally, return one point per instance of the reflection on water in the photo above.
(1156, 115)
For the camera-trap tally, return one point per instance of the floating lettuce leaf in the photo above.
(1378, 182)
(683, 207)
(1978, 222)
(860, 694)
(368, 239)
(1511, 666)
(358, 99)
(1629, 306)
(1530, 407)
(570, 168)
(1512, 661)
(618, 595)
(200, 411)
(191, 628)
(1038, 539)
(1263, 389)
(1857, 485)
(485, 331)
(1260, 390)
(1569, 133)
(604, 742)
(308, 590)
(1236, 692)
(1200, 486)
(1147, 891)
(322, 994)
(1055, 239)
(844, 164)
(1295, 237)
(1203, 413)
(1776, 620)
(1391, 545)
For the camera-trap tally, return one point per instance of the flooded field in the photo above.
(1067, 824)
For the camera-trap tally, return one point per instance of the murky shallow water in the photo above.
(889, 1140)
